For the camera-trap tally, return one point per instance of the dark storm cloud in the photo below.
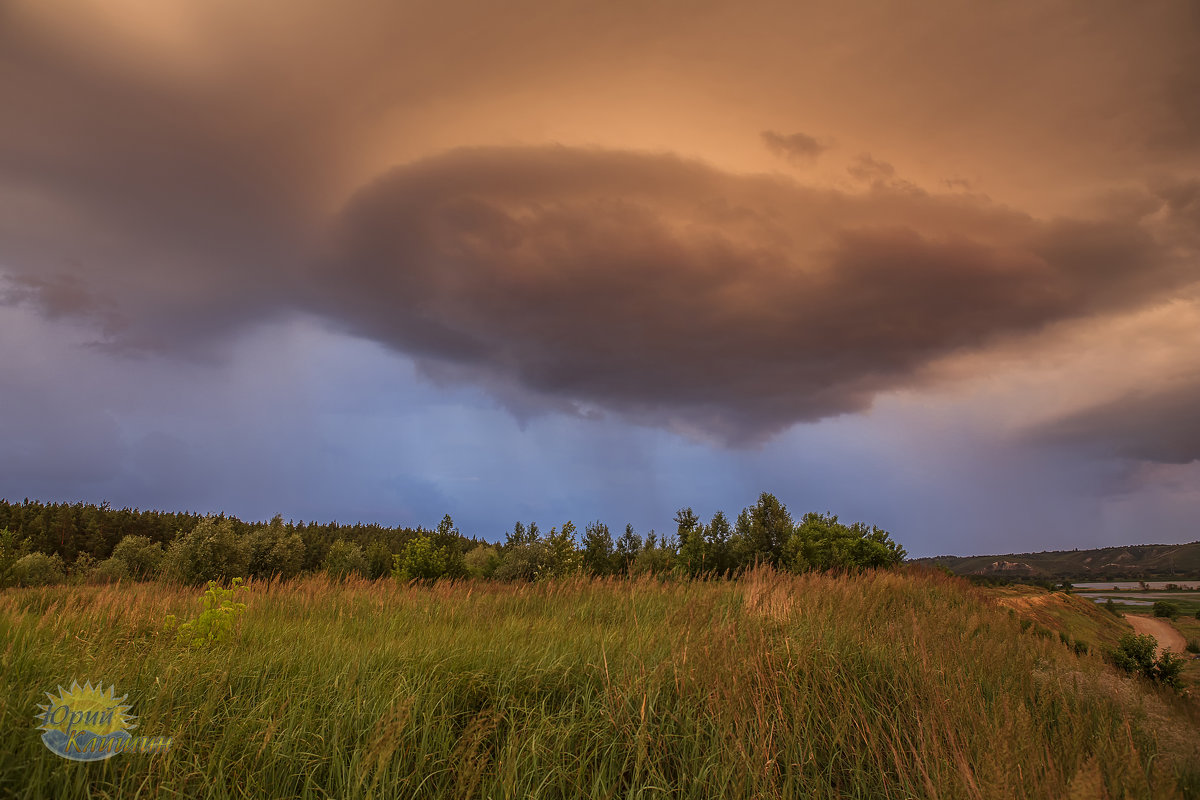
(136, 201)
(793, 146)
(1157, 424)
(179, 201)
(683, 296)
(1178, 128)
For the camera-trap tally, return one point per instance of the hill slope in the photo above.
(1138, 561)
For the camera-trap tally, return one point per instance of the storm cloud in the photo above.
(1158, 424)
(679, 295)
(176, 182)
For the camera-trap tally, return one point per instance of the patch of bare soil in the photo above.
(1168, 636)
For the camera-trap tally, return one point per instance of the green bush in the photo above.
(482, 561)
(12, 550)
(379, 559)
(1135, 654)
(532, 557)
(1111, 607)
(654, 560)
(274, 552)
(1163, 608)
(345, 559)
(421, 560)
(820, 542)
(211, 551)
(523, 562)
(141, 556)
(110, 570)
(81, 568)
(1169, 670)
(1081, 648)
(218, 617)
(1193, 645)
(38, 569)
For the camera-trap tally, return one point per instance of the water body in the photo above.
(1123, 585)
(1100, 598)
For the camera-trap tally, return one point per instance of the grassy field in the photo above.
(886, 685)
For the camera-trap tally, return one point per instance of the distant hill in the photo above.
(1136, 561)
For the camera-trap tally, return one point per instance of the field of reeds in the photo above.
(897, 684)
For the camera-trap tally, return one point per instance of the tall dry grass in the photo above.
(882, 685)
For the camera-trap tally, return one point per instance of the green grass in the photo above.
(1188, 603)
(1190, 628)
(887, 685)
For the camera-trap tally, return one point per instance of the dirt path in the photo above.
(1169, 637)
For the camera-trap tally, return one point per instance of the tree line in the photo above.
(51, 543)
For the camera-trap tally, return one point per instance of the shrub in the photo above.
(345, 559)
(1135, 654)
(12, 550)
(820, 542)
(653, 561)
(379, 559)
(211, 551)
(1081, 648)
(1062, 637)
(1162, 608)
(1111, 607)
(81, 568)
(219, 614)
(421, 560)
(523, 562)
(141, 556)
(1169, 670)
(275, 552)
(110, 570)
(38, 569)
(1193, 645)
(481, 561)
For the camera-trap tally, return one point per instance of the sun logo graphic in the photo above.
(88, 723)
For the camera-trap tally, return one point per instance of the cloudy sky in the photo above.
(938, 270)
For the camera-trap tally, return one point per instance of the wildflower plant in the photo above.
(217, 620)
